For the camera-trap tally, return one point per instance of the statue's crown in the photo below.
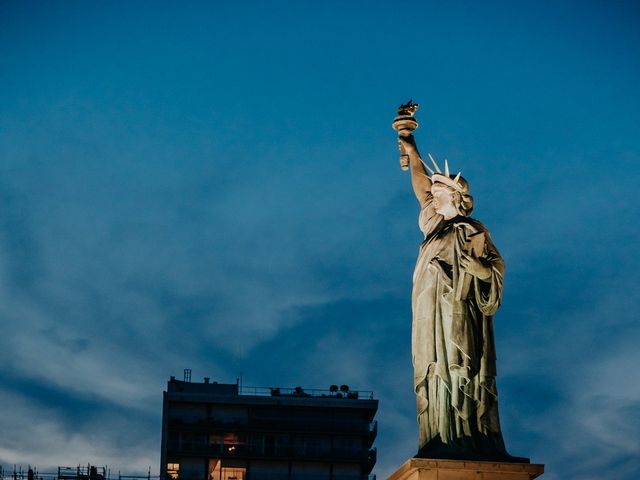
(457, 183)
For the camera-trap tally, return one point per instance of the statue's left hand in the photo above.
(474, 266)
(408, 142)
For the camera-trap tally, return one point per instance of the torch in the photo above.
(405, 123)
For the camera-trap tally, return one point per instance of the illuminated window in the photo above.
(218, 472)
(173, 470)
(233, 473)
(228, 442)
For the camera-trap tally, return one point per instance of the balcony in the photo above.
(366, 456)
(277, 424)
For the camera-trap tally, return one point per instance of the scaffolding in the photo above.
(81, 472)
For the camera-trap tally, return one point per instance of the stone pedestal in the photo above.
(433, 469)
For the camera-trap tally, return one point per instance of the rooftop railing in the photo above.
(340, 392)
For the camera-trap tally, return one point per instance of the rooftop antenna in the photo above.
(187, 375)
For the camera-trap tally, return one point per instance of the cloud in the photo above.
(109, 282)
(42, 438)
(570, 381)
(208, 272)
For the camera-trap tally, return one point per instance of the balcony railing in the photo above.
(309, 424)
(276, 451)
(252, 475)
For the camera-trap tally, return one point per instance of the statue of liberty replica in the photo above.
(457, 289)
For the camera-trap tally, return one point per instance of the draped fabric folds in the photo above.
(452, 338)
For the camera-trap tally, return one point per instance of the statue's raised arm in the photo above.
(405, 123)
(419, 177)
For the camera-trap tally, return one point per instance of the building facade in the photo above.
(214, 431)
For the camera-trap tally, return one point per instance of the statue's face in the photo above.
(443, 202)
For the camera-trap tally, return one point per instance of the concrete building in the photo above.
(214, 431)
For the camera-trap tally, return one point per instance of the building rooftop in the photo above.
(207, 387)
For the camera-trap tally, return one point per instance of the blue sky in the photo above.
(216, 186)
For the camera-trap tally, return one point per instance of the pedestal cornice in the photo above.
(434, 469)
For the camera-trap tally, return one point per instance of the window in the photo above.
(233, 474)
(229, 442)
(173, 470)
(218, 472)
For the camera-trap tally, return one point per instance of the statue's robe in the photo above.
(453, 346)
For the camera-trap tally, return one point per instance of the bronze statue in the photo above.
(457, 288)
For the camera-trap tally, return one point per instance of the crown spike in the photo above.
(435, 164)
(457, 177)
(446, 168)
(429, 171)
